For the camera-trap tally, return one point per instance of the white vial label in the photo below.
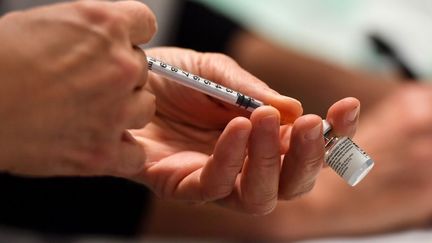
(349, 161)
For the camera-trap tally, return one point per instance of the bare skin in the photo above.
(395, 130)
(396, 194)
(77, 99)
(69, 74)
(317, 84)
(254, 175)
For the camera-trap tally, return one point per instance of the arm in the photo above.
(207, 160)
(85, 106)
(315, 83)
(69, 74)
(395, 195)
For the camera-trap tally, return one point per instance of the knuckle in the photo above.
(299, 191)
(261, 208)
(98, 13)
(162, 189)
(114, 22)
(217, 192)
(270, 161)
(262, 205)
(167, 189)
(127, 67)
(306, 187)
(313, 165)
(92, 10)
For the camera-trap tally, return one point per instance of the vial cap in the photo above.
(326, 126)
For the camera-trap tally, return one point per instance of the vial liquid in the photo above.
(345, 157)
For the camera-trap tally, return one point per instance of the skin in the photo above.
(395, 195)
(86, 105)
(263, 152)
(395, 131)
(71, 86)
(316, 83)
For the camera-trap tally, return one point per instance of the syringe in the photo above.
(288, 112)
(343, 155)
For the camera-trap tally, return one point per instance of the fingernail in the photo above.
(313, 133)
(273, 91)
(293, 100)
(270, 122)
(243, 134)
(352, 115)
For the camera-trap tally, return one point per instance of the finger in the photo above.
(140, 109)
(176, 176)
(304, 159)
(343, 116)
(141, 56)
(128, 71)
(219, 174)
(260, 176)
(227, 72)
(141, 21)
(284, 138)
(198, 177)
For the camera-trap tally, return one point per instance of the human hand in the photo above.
(199, 149)
(397, 193)
(71, 83)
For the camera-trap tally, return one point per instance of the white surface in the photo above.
(338, 30)
(417, 236)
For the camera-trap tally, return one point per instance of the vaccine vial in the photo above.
(345, 157)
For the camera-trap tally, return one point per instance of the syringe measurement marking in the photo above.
(240, 99)
(194, 77)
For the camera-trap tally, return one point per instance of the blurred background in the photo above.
(317, 51)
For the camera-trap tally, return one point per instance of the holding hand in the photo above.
(71, 83)
(398, 134)
(248, 164)
(84, 85)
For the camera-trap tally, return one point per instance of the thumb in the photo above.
(140, 20)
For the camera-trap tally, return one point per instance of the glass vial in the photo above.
(345, 157)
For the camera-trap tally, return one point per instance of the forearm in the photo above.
(332, 209)
(315, 83)
(298, 219)
(176, 219)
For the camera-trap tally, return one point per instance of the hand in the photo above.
(200, 149)
(397, 193)
(71, 83)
